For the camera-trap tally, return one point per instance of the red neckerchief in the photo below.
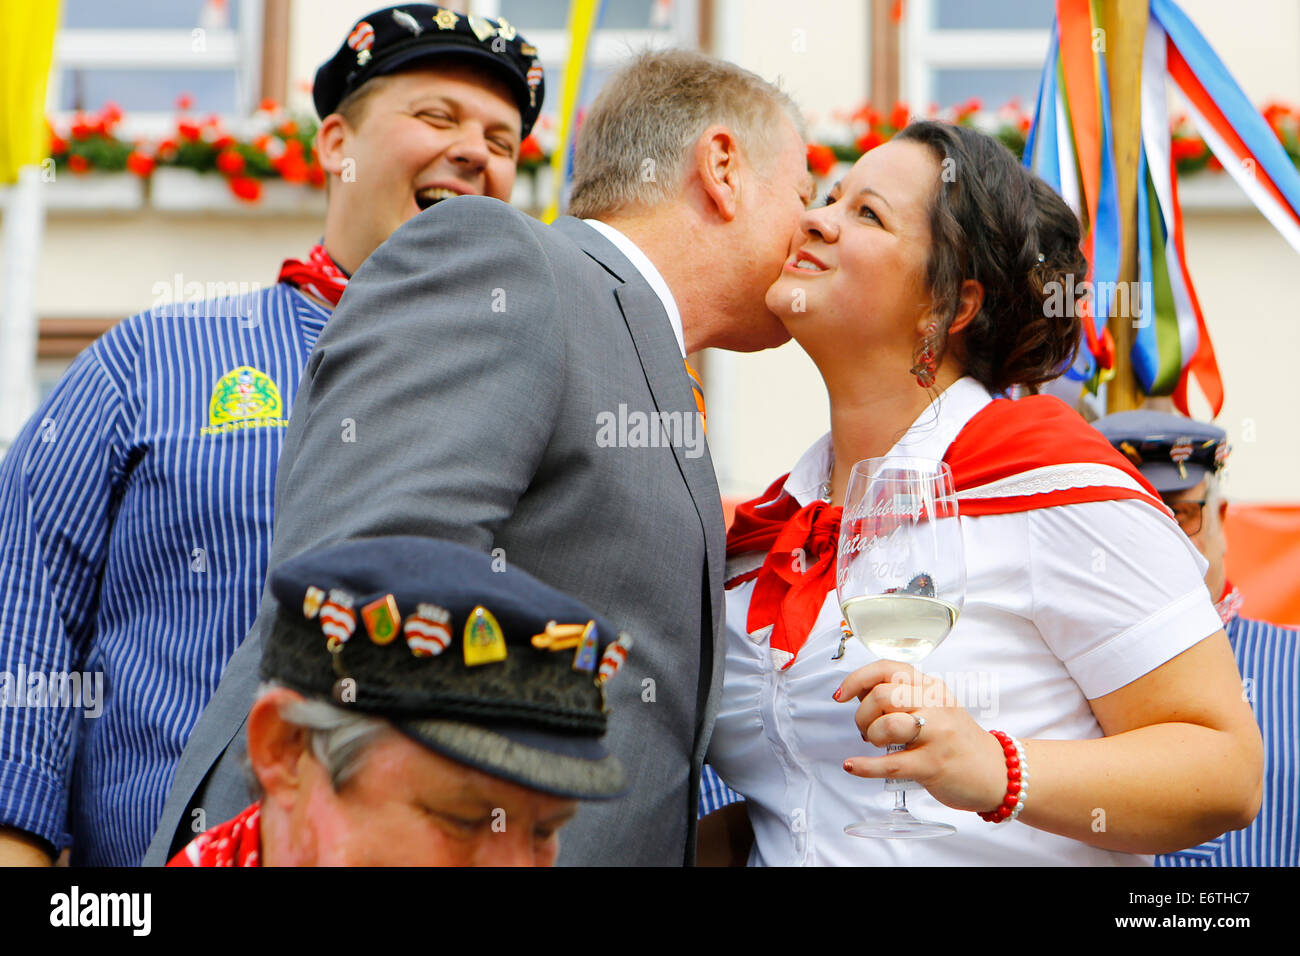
(319, 275)
(1229, 606)
(1002, 440)
(235, 843)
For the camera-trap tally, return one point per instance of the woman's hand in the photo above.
(956, 760)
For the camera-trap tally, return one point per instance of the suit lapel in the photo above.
(670, 386)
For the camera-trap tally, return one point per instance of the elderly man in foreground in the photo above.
(421, 708)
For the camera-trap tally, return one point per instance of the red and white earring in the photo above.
(925, 364)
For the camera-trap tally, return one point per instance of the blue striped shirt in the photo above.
(135, 530)
(1269, 659)
(714, 792)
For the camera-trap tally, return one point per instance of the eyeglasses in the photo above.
(1188, 514)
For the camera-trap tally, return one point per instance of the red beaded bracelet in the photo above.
(1017, 780)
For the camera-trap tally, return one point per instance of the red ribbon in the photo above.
(320, 275)
(1003, 439)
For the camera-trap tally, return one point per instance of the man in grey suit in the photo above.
(528, 397)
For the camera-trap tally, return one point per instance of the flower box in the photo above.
(1209, 191)
(94, 192)
(187, 191)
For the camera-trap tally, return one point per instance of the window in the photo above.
(143, 55)
(992, 51)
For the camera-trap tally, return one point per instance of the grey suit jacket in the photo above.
(482, 381)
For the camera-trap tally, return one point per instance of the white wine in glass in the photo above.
(901, 578)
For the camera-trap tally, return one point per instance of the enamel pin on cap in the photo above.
(382, 619)
(312, 601)
(484, 641)
(584, 658)
(428, 631)
(337, 619)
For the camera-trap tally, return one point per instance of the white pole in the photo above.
(24, 222)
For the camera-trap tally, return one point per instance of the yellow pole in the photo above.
(1124, 30)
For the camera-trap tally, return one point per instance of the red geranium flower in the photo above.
(268, 106)
(58, 145)
(140, 164)
(899, 116)
(821, 159)
(185, 102)
(292, 169)
(230, 163)
(866, 114)
(869, 141)
(969, 109)
(316, 175)
(246, 188)
(529, 150)
(78, 164)
(189, 130)
(1185, 149)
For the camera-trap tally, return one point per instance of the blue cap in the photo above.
(477, 660)
(1174, 453)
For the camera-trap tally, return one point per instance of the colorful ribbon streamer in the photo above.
(1070, 145)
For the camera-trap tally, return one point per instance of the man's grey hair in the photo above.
(637, 139)
(339, 737)
(1213, 489)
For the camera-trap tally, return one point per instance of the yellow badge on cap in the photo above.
(382, 619)
(445, 19)
(483, 639)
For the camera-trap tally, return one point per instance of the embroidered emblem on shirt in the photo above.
(244, 398)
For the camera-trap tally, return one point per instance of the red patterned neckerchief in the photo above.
(989, 460)
(235, 843)
(320, 275)
(1229, 606)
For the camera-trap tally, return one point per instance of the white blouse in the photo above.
(1063, 605)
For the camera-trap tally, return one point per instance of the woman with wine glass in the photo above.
(931, 281)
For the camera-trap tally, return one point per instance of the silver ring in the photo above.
(920, 726)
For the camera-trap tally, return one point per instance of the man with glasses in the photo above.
(1182, 459)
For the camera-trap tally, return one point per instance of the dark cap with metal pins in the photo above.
(416, 34)
(476, 660)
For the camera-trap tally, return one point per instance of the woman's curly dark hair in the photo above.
(990, 219)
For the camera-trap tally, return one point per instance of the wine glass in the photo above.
(901, 578)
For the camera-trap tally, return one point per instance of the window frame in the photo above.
(926, 50)
(239, 49)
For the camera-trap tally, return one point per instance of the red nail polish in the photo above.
(836, 695)
(848, 766)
